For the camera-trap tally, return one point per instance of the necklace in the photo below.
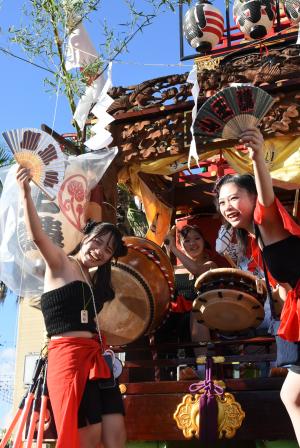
(84, 315)
(117, 364)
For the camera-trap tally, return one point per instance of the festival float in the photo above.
(234, 394)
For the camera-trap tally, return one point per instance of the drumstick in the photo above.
(13, 423)
(296, 200)
(230, 260)
(41, 425)
(35, 413)
(29, 399)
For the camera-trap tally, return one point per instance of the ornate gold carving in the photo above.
(207, 63)
(123, 388)
(230, 416)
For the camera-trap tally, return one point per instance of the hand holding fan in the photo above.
(231, 111)
(41, 154)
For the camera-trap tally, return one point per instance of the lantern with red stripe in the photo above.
(254, 18)
(203, 26)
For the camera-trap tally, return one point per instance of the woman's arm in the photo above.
(271, 228)
(253, 140)
(193, 266)
(52, 254)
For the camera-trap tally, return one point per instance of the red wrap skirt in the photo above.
(71, 361)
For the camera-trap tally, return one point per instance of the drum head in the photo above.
(127, 317)
(228, 310)
(228, 275)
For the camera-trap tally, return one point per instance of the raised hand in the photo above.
(23, 177)
(254, 142)
(170, 239)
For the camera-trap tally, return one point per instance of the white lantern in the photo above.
(203, 26)
(292, 9)
(254, 18)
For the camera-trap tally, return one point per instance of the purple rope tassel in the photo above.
(208, 406)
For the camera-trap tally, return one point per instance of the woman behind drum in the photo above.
(195, 260)
(84, 414)
(243, 201)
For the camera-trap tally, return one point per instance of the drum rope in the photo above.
(154, 355)
(163, 270)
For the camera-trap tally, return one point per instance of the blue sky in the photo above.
(25, 102)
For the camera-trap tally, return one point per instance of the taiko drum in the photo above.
(229, 300)
(143, 281)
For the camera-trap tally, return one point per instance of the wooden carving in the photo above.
(153, 118)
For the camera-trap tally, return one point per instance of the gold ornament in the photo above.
(230, 415)
(123, 388)
(207, 63)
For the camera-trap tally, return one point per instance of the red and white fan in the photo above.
(41, 154)
(231, 111)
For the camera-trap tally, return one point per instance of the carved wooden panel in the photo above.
(153, 118)
(149, 412)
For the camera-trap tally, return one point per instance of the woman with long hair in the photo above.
(193, 253)
(85, 413)
(248, 204)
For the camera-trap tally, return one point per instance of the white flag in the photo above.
(102, 137)
(90, 97)
(80, 50)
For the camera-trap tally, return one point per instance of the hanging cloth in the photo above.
(71, 362)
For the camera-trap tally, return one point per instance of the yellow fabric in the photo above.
(282, 155)
(158, 215)
(166, 166)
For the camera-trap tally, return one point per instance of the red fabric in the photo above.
(181, 305)
(261, 212)
(257, 261)
(71, 361)
(289, 328)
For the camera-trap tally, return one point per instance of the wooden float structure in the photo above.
(152, 123)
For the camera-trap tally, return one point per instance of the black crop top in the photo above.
(283, 260)
(185, 286)
(62, 307)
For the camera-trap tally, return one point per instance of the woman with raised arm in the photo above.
(85, 414)
(193, 254)
(249, 205)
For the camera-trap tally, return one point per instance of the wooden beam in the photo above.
(61, 140)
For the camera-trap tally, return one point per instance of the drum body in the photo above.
(143, 282)
(229, 300)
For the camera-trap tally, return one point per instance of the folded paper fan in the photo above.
(41, 154)
(231, 111)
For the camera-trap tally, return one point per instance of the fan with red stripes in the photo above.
(231, 111)
(41, 154)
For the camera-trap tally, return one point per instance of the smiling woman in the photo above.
(84, 414)
(193, 254)
(248, 204)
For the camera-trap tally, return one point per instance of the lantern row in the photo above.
(203, 24)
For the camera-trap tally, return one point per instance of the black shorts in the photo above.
(97, 402)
